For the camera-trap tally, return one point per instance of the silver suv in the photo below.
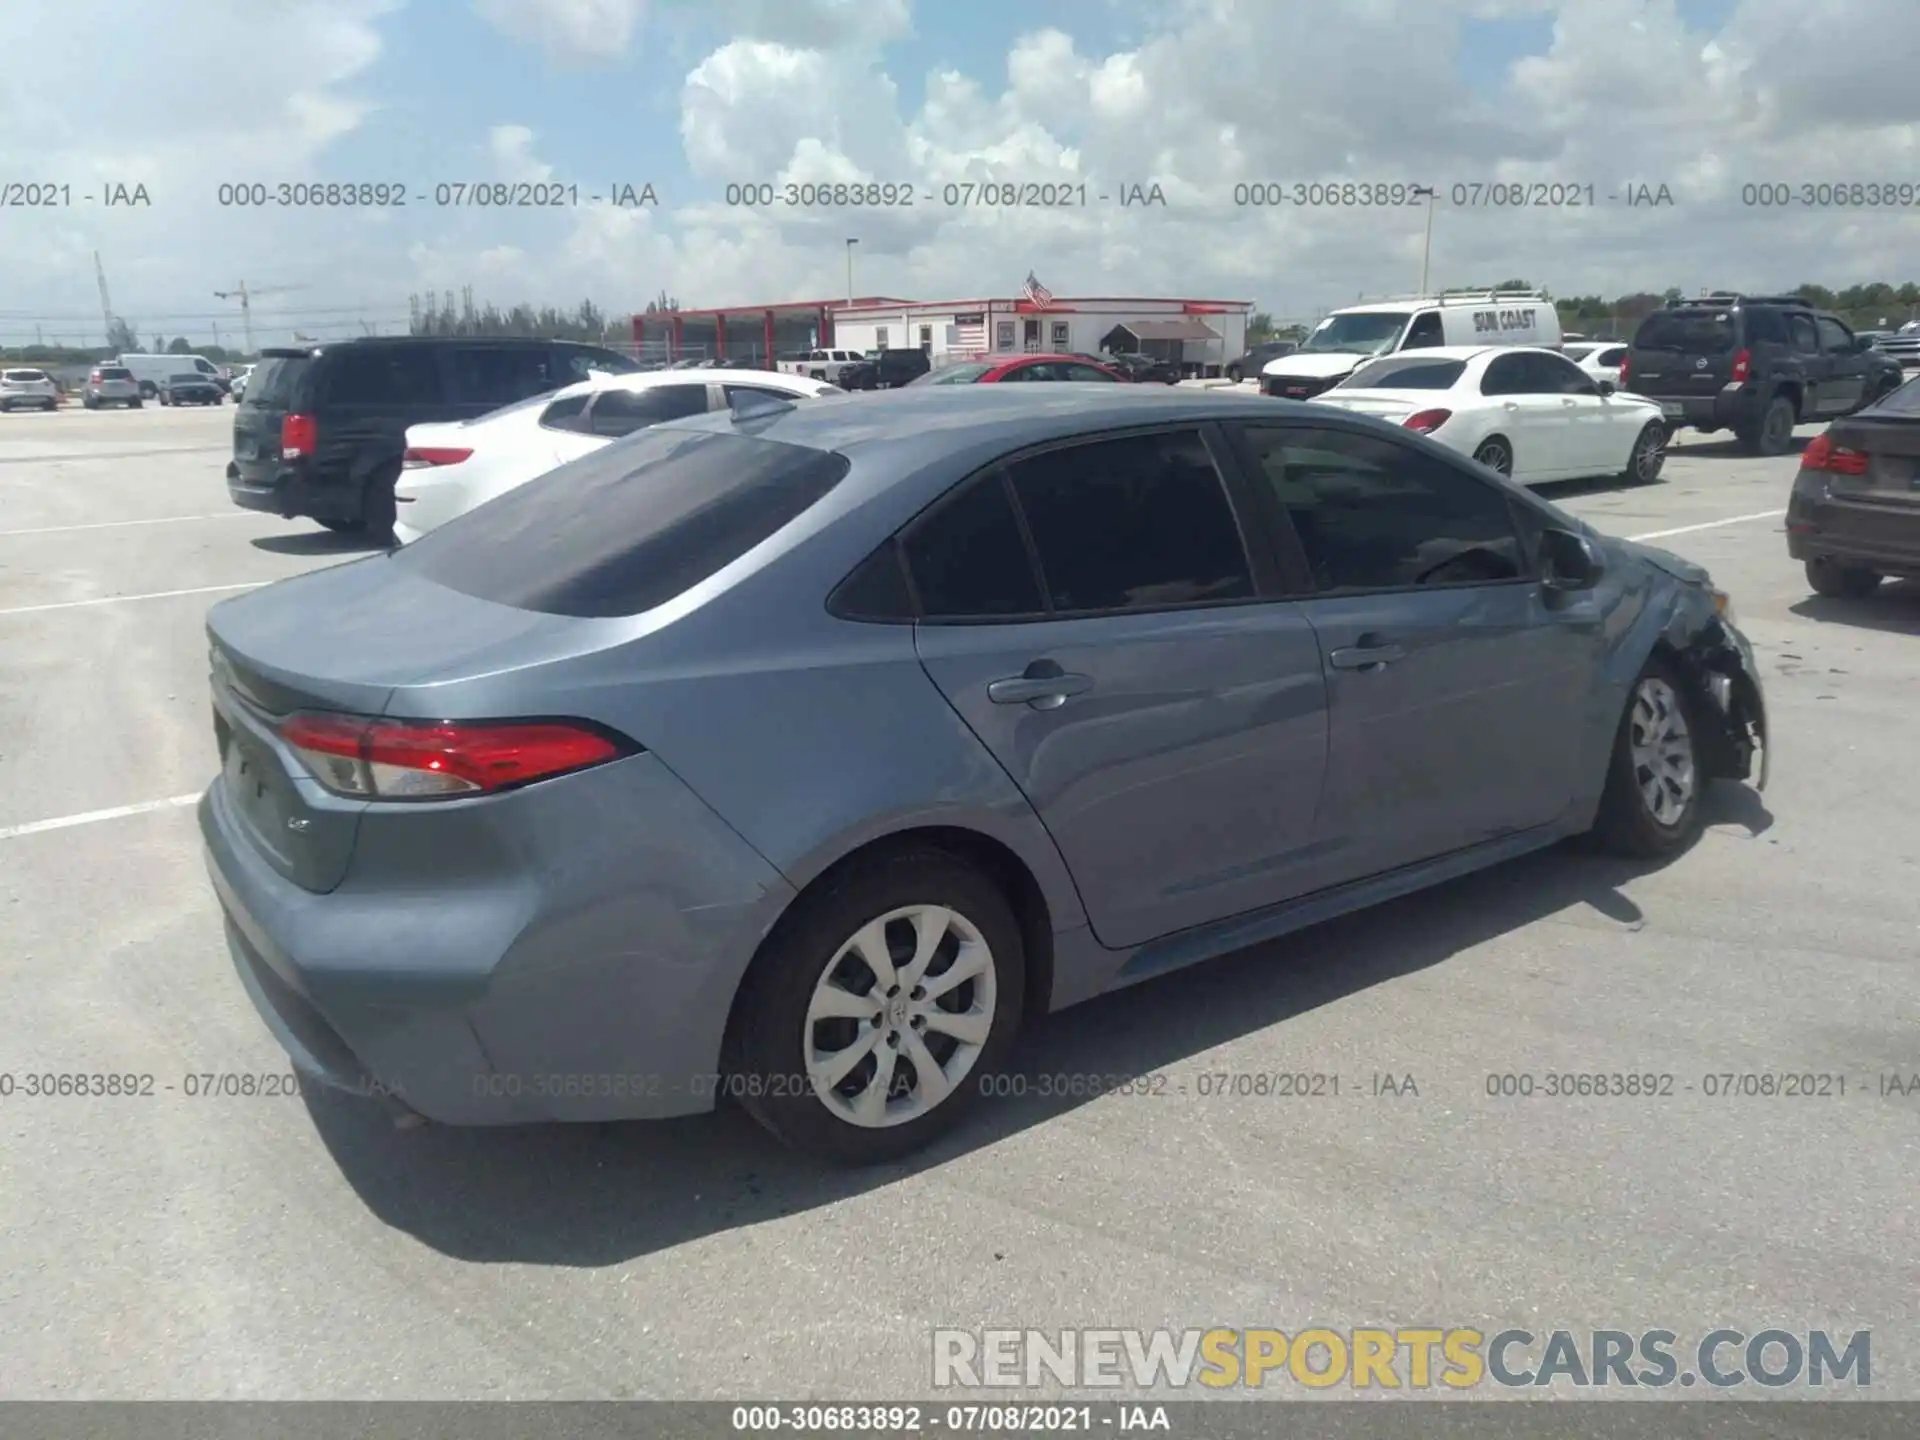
(110, 385)
(28, 389)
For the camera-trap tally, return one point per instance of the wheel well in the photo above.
(1793, 394)
(1716, 740)
(1000, 864)
(1486, 439)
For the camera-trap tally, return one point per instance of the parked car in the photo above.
(1249, 365)
(1142, 369)
(321, 431)
(27, 389)
(893, 368)
(110, 385)
(188, 387)
(151, 371)
(449, 469)
(1757, 365)
(864, 376)
(802, 758)
(820, 364)
(1854, 516)
(1903, 346)
(1600, 359)
(237, 387)
(1530, 414)
(1348, 338)
(1003, 370)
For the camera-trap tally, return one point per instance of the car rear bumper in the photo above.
(572, 970)
(290, 489)
(1722, 410)
(1880, 537)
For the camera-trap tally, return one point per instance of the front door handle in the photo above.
(1366, 656)
(1043, 692)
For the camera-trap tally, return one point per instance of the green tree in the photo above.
(179, 346)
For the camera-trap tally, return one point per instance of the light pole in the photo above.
(850, 244)
(1426, 246)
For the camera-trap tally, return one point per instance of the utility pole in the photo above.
(850, 244)
(106, 305)
(1426, 247)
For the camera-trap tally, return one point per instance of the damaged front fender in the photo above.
(1725, 678)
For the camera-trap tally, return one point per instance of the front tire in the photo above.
(1648, 456)
(1841, 582)
(1233, 373)
(1651, 804)
(870, 1021)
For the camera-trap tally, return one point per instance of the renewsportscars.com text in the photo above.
(1404, 1358)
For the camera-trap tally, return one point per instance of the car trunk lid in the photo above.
(344, 640)
(1891, 443)
(1390, 405)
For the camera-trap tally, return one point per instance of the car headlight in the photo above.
(1723, 604)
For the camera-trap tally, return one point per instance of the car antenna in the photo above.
(759, 407)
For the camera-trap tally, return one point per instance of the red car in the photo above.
(1024, 367)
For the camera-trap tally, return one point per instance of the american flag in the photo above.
(1036, 292)
(970, 336)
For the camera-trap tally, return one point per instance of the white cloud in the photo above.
(575, 33)
(511, 149)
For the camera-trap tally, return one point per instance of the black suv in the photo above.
(892, 368)
(1754, 364)
(321, 431)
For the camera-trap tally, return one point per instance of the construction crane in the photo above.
(106, 305)
(246, 298)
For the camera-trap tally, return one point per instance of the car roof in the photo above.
(703, 375)
(1000, 364)
(1460, 352)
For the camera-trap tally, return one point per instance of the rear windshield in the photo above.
(1690, 332)
(1406, 375)
(271, 386)
(1904, 401)
(26, 374)
(115, 372)
(627, 528)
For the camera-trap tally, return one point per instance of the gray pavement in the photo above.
(270, 1248)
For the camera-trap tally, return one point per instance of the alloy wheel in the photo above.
(1649, 455)
(899, 1016)
(1495, 456)
(1661, 749)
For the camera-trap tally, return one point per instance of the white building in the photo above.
(1202, 335)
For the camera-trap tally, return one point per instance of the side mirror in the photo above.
(1607, 387)
(1570, 562)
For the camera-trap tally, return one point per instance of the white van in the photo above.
(151, 371)
(1349, 338)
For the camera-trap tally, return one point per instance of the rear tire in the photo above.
(136, 404)
(1841, 582)
(1648, 455)
(1651, 804)
(786, 1033)
(1233, 373)
(1773, 433)
(1496, 454)
(378, 509)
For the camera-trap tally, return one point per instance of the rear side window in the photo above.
(1690, 332)
(629, 527)
(579, 362)
(275, 383)
(1764, 325)
(1612, 355)
(1135, 523)
(615, 413)
(382, 375)
(501, 374)
(566, 413)
(968, 558)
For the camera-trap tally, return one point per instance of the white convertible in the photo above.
(1530, 414)
(450, 468)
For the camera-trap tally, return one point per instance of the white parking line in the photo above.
(128, 599)
(1710, 525)
(64, 822)
(116, 524)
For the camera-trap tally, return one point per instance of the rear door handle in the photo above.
(1365, 657)
(1043, 692)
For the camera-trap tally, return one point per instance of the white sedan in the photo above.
(1600, 359)
(451, 468)
(1531, 414)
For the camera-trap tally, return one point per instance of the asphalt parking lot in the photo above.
(269, 1247)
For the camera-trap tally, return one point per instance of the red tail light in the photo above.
(298, 435)
(421, 457)
(1427, 421)
(1626, 369)
(422, 760)
(1742, 366)
(1823, 455)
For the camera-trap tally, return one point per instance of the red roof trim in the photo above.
(1006, 303)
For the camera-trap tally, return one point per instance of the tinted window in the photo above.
(1806, 337)
(628, 527)
(1375, 515)
(1834, 335)
(1690, 332)
(578, 362)
(1612, 356)
(877, 590)
(968, 559)
(500, 374)
(1507, 375)
(758, 392)
(565, 413)
(621, 412)
(24, 376)
(272, 384)
(382, 375)
(114, 372)
(1577, 352)
(1085, 373)
(1132, 524)
(1424, 332)
(1406, 375)
(954, 375)
(1554, 375)
(1765, 325)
